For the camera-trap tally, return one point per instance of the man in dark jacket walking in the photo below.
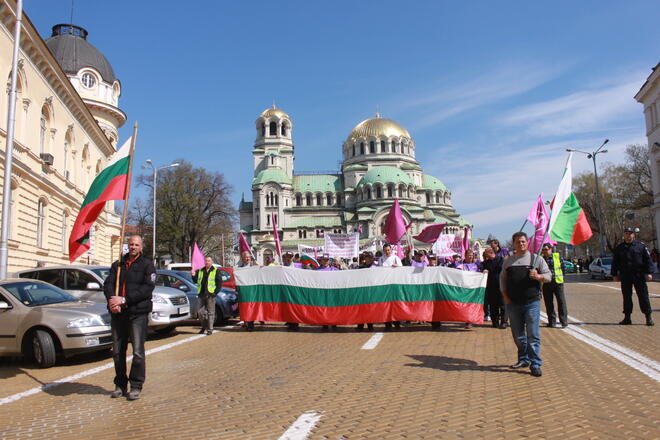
(128, 290)
(555, 288)
(493, 264)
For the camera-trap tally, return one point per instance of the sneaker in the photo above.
(536, 371)
(520, 364)
(134, 394)
(209, 332)
(486, 317)
(118, 392)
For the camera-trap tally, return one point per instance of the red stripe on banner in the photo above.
(433, 311)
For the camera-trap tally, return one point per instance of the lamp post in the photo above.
(155, 171)
(599, 215)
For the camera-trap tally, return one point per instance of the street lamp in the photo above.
(155, 171)
(601, 225)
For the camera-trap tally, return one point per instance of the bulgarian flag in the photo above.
(110, 184)
(568, 223)
(378, 294)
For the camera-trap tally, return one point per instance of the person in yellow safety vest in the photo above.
(554, 288)
(209, 283)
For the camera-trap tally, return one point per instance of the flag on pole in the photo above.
(568, 223)
(395, 226)
(276, 235)
(197, 261)
(110, 184)
(430, 233)
(465, 243)
(538, 216)
(243, 244)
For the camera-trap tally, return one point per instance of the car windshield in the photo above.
(184, 274)
(32, 293)
(607, 261)
(103, 272)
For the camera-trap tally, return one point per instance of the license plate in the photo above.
(183, 310)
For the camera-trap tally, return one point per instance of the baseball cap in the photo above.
(633, 230)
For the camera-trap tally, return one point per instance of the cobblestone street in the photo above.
(600, 380)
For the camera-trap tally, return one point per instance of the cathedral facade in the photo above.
(378, 167)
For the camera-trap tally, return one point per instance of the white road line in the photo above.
(302, 427)
(373, 341)
(45, 387)
(629, 357)
(600, 285)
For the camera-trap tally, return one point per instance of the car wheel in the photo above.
(165, 330)
(43, 349)
(220, 318)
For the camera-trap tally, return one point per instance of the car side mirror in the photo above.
(93, 286)
(5, 306)
(184, 288)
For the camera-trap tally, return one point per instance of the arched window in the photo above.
(277, 200)
(379, 192)
(328, 199)
(340, 199)
(372, 147)
(267, 220)
(41, 222)
(272, 160)
(43, 127)
(353, 150)
(383, 147)
(67, 149)
(393, 142)
(390, 191)
(283, 129)
(437, 197)
(273, 129)
(368, 193)
(308, 200)
(65, 228)
(263, 129)
(361, 147)
(428, 197)
(298, 200)
(319, 200)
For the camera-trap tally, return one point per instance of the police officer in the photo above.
(633, 267)
(209, 282)
(554, 288)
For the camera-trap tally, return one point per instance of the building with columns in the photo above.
(378, 167)
(67, 118)
(649, 97)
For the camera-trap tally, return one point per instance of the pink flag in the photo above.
(276, 235)
(359, 229)
(538, 216)
(197, 258)
(465, 244)
(430, 233)
(394, 227)
(243, 244)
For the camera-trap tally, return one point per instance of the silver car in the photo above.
(43, 322)
(170, 306)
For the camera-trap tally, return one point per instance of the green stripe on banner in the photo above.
(562, 231)
(104, 178)
(359, 295)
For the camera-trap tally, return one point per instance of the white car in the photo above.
(601, 267)
(86, 283)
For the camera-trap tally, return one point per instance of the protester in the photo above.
(499, 251)
(208, 285)
(554, 288)
(433, 260)
(520, 285)
(493, 264)
(324, 263)
(418, 260)
(632, 266)
(129, 302)
(367, 262)
(247, 261)
(468, 264)
(389, 259)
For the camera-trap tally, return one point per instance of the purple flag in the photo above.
(538, 216)
(465, 243)
(197, 258)
(430, 233)
(243, 244)
(276, 235)
(395, 226)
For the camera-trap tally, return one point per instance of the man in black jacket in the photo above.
(493, 264)
(129, 302)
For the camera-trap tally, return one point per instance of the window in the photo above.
(361, 147)
(298, 200)
(43, 125)
(41, 216)
(52, 276)
(89, 80)
(273, 129)
(263, 130)
(353, 150)
(437, 197)
(372, 147)
(65, 227)
(379, 192)
(368, 193)
(319, 200)
(340, 199)
(383, 147)
(328, 199)
(319, 233)
(283, 129)
(267, 220)
(428, 198)
(302, 233)
(389, 191)
(272, 160)
(393, 146)
(277, 200)
(337, 231)
(78, 280)
(308, 199)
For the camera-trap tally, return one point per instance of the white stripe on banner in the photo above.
(350, 279)
(302, 427)
(373, 341)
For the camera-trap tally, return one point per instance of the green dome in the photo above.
(271, 175)
(385, 174)
(430, 182)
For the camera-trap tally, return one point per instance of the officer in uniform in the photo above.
(209, 282)
(633, 267)
(554, 288)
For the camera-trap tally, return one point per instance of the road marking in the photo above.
(600, 285)
(629, 357)
(302, 427)
(373, 341)
(45, 387)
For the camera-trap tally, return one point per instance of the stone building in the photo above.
(378, 167)
(67, 118)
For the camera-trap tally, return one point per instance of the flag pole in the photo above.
(126, 196)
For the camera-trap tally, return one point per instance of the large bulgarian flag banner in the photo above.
(381, 294)
(110, 184)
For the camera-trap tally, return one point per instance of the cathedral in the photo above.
(378, 167)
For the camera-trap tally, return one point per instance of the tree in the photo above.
(193, 206)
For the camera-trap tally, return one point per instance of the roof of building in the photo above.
(317, 183)
(313, 221)
(385, 174)
(73, 52)
(356, 167)
(377, 127)
(430, 182)
(410, 166)
(271, 175)
(274, 111)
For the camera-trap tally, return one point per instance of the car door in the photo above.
(76, 284)
(9, 323)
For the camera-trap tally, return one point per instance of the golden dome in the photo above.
(274, 111)
(377, 127)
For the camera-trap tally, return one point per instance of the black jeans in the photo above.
(550, 291)
(642, 291)
(127, 327)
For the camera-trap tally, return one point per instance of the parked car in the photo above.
(228, 280)
(86, 283)
(226, 304)
(43, 322)
(601, 267)
(570, 267)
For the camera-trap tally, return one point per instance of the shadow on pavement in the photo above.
(456, 364)
(68, 389)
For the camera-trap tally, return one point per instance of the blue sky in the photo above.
(491, 92)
